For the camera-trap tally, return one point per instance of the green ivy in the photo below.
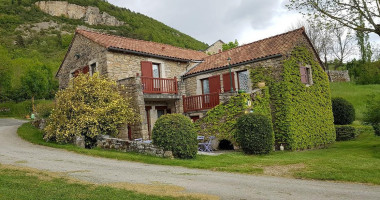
(303, 117)
(220, 121)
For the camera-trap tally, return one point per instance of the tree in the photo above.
(35, 83)
(372, 114)
(363, 43)
(320, 36)
(90, 106)
(342, 46)
(230, 45)
(346, 13)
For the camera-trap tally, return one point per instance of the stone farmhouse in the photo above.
(217, 47)
(165, 79)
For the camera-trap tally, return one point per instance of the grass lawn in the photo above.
(354, 161)
(20, 183)
(355, 94)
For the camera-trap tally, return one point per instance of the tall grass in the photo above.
(355, 94)
(21, 109)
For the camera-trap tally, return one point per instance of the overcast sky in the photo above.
(210, 20)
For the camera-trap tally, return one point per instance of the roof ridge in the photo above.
(271, 37)
(122, 37)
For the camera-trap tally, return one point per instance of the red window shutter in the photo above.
(214, 83)
(76, 73)
(146, 69)
(303, 75)
(227, 82)
(85, 69)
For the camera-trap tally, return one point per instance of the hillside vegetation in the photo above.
(31, 38)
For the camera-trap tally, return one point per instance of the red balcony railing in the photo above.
(159, 85)
(200, 102)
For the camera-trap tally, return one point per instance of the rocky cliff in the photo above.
(90, 15)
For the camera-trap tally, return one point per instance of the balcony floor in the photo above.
(161, 97)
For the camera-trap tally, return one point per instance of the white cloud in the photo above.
(210, 20)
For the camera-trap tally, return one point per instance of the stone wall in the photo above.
(121, 66)
(82, 52)
(133, 146)
(338, 76)
(134, 91)
(215, 48)
(90, 15)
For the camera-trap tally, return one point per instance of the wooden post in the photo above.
(184, 103)
(175, 85)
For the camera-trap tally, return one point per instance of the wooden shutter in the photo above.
(303, 73)
(214, 83)
(85, 69)
(146, 69)
(227, 82)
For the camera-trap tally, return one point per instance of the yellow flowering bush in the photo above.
(88, 107)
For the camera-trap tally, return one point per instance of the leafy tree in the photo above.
(230, 45)
(372, 114)
(35, 83)
(90, 106)
(345, 13)
(363, 43)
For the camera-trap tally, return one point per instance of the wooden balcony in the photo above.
(159, 85)
(200, 102)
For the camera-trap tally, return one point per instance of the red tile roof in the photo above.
(141, 46)
(276, 45)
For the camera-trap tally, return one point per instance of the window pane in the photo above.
(93, 68)
(206, 87)
(243, 81)
(156, 71)
(160, 113)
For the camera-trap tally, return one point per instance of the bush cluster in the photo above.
(345, 132)
(255, 133)
(176, 133)
(344, 112)
(92, 106)
(372, 113)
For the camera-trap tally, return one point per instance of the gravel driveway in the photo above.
(16, 151)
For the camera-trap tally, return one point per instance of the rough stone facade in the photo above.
(90, 15)
(120, 66)
(217, 47)
(338, 76)
(133, 146)
(83, 52)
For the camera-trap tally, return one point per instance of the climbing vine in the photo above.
(220, 121)
(302, 114)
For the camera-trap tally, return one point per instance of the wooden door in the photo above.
(227, 82)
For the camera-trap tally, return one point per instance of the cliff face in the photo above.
(90, 15)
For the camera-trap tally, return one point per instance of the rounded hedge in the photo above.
(255, 133)
(344, 112)
(176, 133)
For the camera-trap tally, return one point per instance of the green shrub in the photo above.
(255, 133)
(372, 113)
(176, 133)
(344, 112)
(376, 127)
(91, 106)
(44, 108)
(345, 132)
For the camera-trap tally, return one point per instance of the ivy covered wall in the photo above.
(302, 114)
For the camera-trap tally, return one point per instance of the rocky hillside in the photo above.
(36, 34)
